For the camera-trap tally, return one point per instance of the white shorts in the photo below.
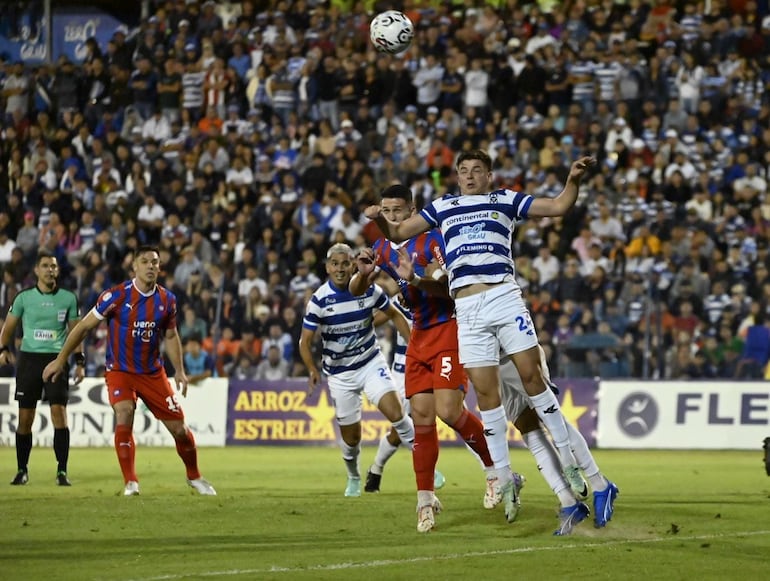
(514, 397)
(399, 380)
(373, 379)
(493, 321)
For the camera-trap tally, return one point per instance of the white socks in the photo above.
(496, 433)
(547, 407)
(384, 451)
(350, 457)
(585, 459)
(405, 430)
(548, 463)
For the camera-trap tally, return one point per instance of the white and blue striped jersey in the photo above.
(345, 324)
(399, 353)
(478, 231)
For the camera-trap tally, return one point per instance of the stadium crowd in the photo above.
(246, 138)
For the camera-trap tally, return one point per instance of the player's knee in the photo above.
(449, 411)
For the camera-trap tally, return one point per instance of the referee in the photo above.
(47, 313)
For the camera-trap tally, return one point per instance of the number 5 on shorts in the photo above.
(446, 367)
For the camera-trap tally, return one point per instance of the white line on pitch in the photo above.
(449, 557)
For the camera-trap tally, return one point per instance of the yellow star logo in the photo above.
(323, 413)
(571, 411)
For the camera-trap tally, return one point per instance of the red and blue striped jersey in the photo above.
(137, 324)
(427, 310)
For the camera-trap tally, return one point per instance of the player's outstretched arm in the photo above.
(305, 341)
(558, 206)
(398, 232)
(75, 337)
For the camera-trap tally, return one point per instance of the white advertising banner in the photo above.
(683, 415)
(91, 420)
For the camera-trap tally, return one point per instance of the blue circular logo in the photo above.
(638, 414)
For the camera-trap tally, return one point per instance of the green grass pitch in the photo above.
(280, 514)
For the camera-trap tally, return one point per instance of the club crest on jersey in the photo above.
(493, 198)
(361, 303)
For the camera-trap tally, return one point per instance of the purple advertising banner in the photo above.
(269, 413)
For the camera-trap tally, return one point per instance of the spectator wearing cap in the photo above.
(618, 131)
(209, 20)
(347, 134)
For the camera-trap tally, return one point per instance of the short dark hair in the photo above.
(398, 191)
(41, 254)
(144, 248)
(478, 154)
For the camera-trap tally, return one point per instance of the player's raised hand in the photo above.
(372, 212)
(366, 260)
(580, 166)
(405, 266)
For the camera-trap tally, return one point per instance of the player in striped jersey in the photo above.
(477, 228)
(140, 314)
(573, 510)
(351, 357)
(435, 381)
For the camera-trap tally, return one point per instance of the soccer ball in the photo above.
(391, 32)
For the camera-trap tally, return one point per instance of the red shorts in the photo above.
(432, 360)
(153, 389)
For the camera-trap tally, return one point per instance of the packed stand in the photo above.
(245, 139)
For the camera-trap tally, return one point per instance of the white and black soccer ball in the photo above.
(391, 32)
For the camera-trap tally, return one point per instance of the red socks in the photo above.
(126, 451)
(425, 455)
(471, 430)
(185, 447)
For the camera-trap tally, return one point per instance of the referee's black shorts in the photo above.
(30, 387)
